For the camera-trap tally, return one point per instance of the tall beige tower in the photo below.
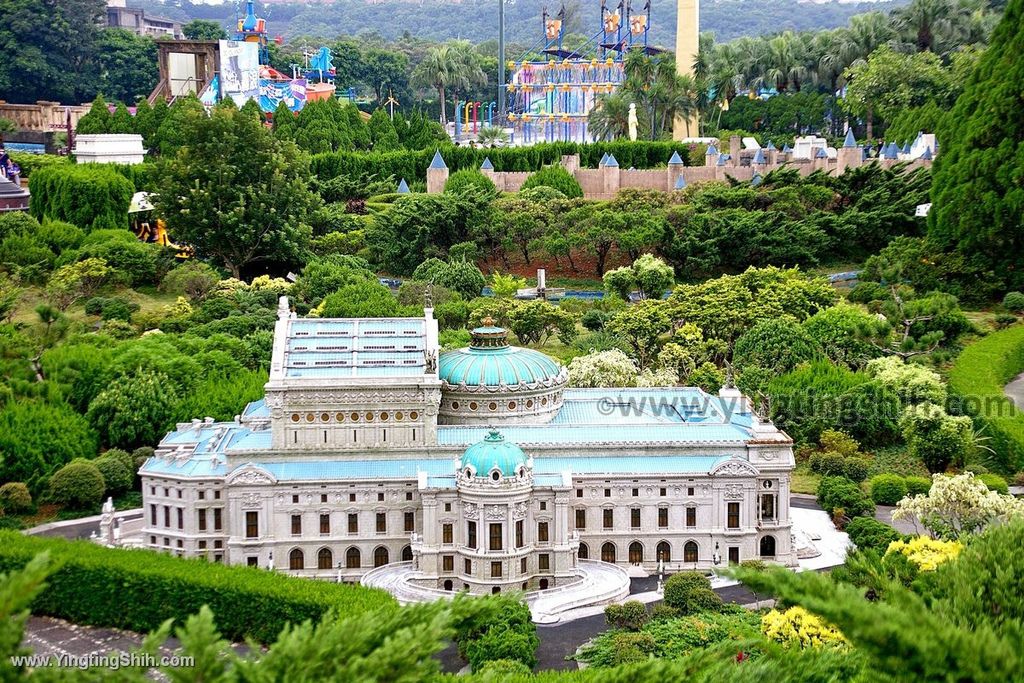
(687, 44)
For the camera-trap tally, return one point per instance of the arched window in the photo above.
(768, 546)
(296, 560)
(407, 554)
(636, 552)
(447, 584)
(495, 589)
(543, 584)
(324, 559)
(352, 559)
(380, 556)
(584, 552)
(608, 552)
(690, 552)
(664, 551)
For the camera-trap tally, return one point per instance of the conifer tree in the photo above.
(977, 193)
(382, 132)
(97, 120)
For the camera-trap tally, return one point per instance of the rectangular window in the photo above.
(467, 566)
(636, 492)
(634, 518)
(410, 521)
(216, 495)
(295, 498)
(579, 493)
(325, 523)
(202, 495)
(152, 515)
(607, 493)
(252, 561)
(471, 535)
(733, 514)
(380, 497)
(544, 562)
(201, 513)
(323, 497)
(218, 558)
(382, 522)
(542, 532)
(691, 516)
(734, 555)
(351, 497)
(495, 570)
(519, 534)
(689, 491)
(662, 492)
(408, 495)
(446, 533)
(581, 518)
(181, 518)
(218, 519)
(768, 507)
(447, 563)
(167, 516)
(353, 522)
(494, 536)
(296, 525)
(543, 505)
(522, 566)
(252, 524)
(662, 517)
(447, 507)
(609, 518)
(202, 545)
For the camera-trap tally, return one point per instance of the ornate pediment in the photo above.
(250, 474)
(734, 467)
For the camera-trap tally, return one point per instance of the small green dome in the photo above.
(491, 362)
(494, 452)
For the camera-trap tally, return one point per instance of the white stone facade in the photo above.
(344, 467)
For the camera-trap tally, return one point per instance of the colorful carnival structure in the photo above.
(550, 99)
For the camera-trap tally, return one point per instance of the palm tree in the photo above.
(922, 20)
(609, 119)
(453, 66)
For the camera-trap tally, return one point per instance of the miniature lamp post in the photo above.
(716, 557)
(661, 571)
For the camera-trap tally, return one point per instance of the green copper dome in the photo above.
(493, 453)
(489, 361)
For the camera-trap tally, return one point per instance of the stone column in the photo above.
(735, 146)
(610, 177)
(437, 174)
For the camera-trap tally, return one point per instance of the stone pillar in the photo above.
(610, 176)
(571, 162)
(437, 174)
(848, 157)
(735, 146)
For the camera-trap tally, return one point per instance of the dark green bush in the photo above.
(1014, 301)
(469, 179)
(994, 482)
(91, 196)
(117, 476)
(918, 485)
(828, 464)
(678, 587)
(856, 468)
(629, 616)
(870, 534)
(79, 484)
(554, 177)
(138, 589)
(835, 493)
(15, 497)
(887, 489)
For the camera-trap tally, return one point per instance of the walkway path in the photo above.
(1015, 391)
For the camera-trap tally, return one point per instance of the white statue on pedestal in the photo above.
(633, 123)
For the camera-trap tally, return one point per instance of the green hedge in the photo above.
(91, 196)
(33, 162)
(139, 589)
(976, 383)
(412, 165)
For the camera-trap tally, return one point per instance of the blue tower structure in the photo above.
(253, 29)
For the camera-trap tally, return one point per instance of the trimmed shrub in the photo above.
(835, 493)
(15, 497)
(138, 590)
(468, 179)
(117, 476)
(870, 534)
(1014, 301)
(918, 485)
(887, 489)
(79, 484)
(777, 345)
(828, 464)
(702, 600)
(994, 483)
(554, 177)
(91, 196)
(856, 469)
(630, 615)
(678, 587)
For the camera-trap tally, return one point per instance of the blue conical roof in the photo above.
(487, 165)
(680, 183)
(403, 187)
(786, 149)
(676, 160)
(771, 146)
(927, 156)
(820, 154)
(611, 162)
(850, 141)
(437, 161)
(891, 151)
(758, 157)
(906, 148)
(722, 158)
(604, 159)
(712, 150)
(756, 180)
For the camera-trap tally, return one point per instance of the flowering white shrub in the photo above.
(958, 505)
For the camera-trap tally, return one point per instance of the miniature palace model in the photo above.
(374, 456)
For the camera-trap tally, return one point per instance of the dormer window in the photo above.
(496, 475)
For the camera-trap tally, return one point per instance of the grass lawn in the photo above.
(804, 481)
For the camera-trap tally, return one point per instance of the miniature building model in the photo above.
(375, 457)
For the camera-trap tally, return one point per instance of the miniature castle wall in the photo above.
(605, 181)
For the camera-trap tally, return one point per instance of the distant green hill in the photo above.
(476, 20)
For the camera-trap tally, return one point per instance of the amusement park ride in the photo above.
(550, 99)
